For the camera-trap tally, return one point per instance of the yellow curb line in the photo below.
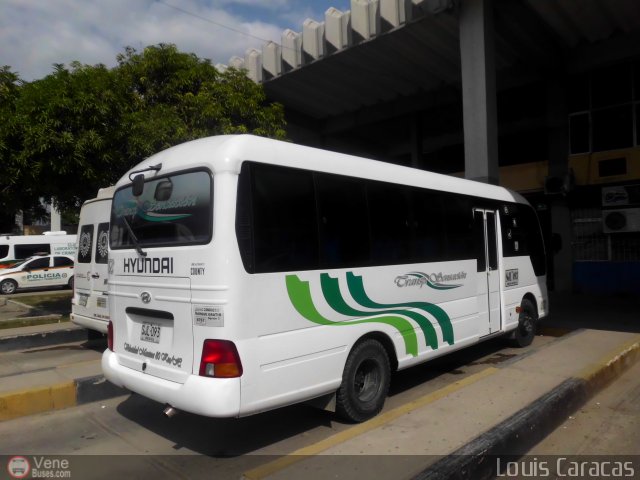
(598, 374)
(37, 400)
(300, 454)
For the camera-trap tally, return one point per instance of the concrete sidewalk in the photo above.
(456, 432)
(450, 433)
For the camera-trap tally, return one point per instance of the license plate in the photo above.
(82, 300)
(150, 332)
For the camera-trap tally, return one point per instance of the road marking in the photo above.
(281, 463)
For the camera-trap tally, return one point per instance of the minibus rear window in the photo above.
(172, 210)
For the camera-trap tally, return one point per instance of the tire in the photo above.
(8, 286)
(70, 283)
(365, 382)
(523, 335)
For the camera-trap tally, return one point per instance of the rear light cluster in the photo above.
(110, 336)
(220, 359)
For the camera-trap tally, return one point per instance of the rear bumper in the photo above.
(90, 323)
(211, 397)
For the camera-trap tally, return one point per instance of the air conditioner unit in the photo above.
(621, 220)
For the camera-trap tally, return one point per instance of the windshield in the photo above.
(172, 210)
(19, 262)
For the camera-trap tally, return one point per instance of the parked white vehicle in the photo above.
(247, 274)
(90, 303)
(40, 271)
(19, 247)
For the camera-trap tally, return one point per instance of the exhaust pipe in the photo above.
(169, 411)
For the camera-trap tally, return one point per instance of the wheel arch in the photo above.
(531, 297)
(386, 343)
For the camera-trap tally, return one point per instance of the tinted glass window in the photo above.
(4, 251)
(244, 219)
(101, 254)
(26, 251)
(521, 235)
(458, 228)
(612, 128)
(344, 223)
(62, 262)
(492, 241)
(38, 263)
(284, 219)
(428, 224)
(84, 244)
(390, 223)
(172, 210)
(479, 241)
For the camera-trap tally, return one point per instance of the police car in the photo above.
(39, 271)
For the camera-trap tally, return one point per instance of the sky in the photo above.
(36, 34)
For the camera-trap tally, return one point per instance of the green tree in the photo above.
(177, 97)
(80, 128)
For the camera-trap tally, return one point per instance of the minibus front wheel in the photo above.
(365, 382)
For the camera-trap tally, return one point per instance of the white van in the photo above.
(19, 247)
(90, 306)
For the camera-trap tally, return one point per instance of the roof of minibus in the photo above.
(226, 153)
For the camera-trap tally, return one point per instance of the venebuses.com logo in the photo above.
(18, 467)
(38, 467)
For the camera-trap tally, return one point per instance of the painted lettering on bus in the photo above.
(148, 265)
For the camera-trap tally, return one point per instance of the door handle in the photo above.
(95, 275)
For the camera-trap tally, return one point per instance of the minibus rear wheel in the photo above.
(365, 382)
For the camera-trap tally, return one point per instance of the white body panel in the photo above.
(90, 303)
(293, 332)
(19, 247)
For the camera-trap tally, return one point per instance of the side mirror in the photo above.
(138, 185)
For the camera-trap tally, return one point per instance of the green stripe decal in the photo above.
(399, 315)
(300, 296)
(356, 288)
(331, 291)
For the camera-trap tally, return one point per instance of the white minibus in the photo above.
(89, 306)
(247, 274)
(20, 247)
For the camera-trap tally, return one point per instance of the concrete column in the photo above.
(558, 142)
(56, 220)
(479, 91)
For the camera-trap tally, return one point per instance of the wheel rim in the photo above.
(7, 287)
(366, 381)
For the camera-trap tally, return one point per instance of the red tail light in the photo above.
(220, 359)
(110, 336)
